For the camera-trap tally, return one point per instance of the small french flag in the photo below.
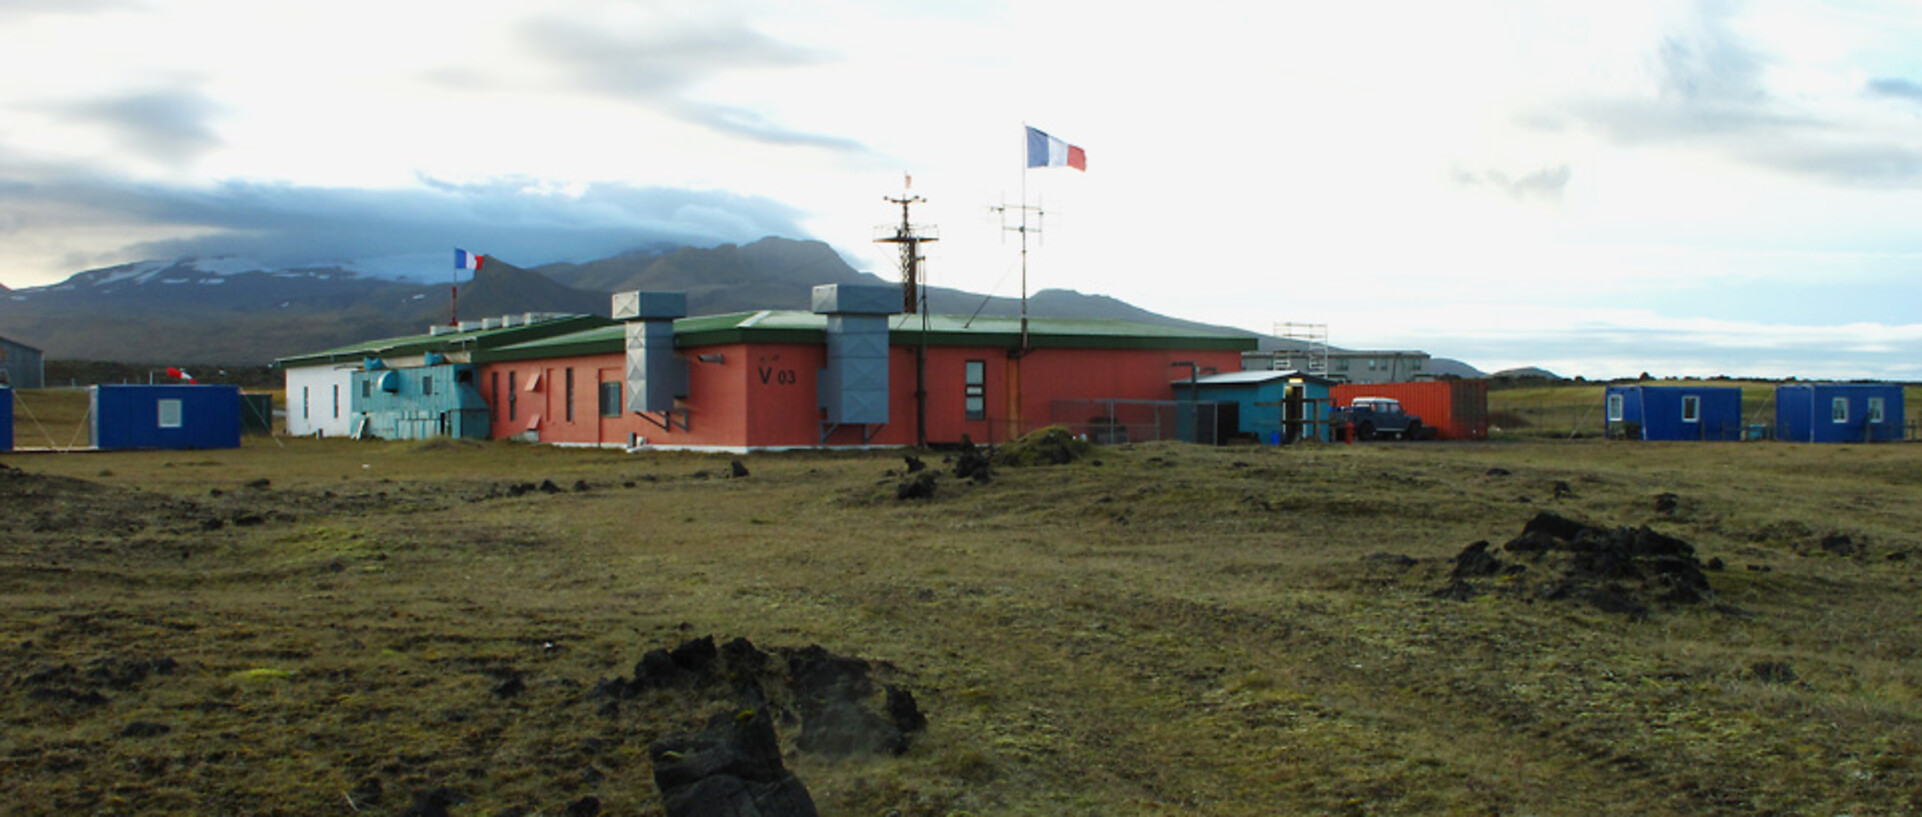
(1047, 151)
(467, 260)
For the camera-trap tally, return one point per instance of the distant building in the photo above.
(1455, 409)
(1345, 365)
(848, 372)
(842, 374)
(1838, 412)
(1268, 406)
(171, 417)
(323, 388)
(21, 366)
(1673, 413)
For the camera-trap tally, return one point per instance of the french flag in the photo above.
(467, 260)
(1047, 151)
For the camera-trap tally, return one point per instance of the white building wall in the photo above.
(320, 399)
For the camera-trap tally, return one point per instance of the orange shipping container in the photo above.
(1455, 409)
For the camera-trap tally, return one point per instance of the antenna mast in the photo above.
(910, 236)
(914, 296)
(1022, 227)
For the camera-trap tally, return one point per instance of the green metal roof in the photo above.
(794, 326)
(476, 340)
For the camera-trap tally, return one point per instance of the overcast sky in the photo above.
(1683, 188)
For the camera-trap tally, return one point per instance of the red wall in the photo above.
(765, 395)
(1456, 409)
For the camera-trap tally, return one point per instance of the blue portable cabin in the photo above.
(417, 403)
(1673, 412)
(1273, 407)
(175, 417)
(6, 419)
(1838, 412)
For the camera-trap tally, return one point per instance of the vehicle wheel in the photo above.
(1365, 431)
(1413, 432)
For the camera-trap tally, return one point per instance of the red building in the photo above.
(845, 374)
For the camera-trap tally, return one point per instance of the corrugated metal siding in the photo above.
(1655, 413)
(6, 419)
(420, 403)
(131, 416)
(23, 365)
(1456, 409)
(1804, 413)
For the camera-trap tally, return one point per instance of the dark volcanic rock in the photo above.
(972, 463)
(1617, 570)
(920, 487)
(434, 803)
(1475, 560)
(731, 767)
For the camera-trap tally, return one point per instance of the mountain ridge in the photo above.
(218, 311)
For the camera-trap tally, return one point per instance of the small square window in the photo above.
(1614, 408)
(1691, 408)
(1876, 410)
(1839, 409)
(427, 385)
(170, 414)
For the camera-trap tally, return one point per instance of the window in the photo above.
(513, 398)
(1691, 408)
(570, 394)
(1875, 410)
(611, 398)
(975, 395)
(303, 402)
(427, 385)
(1839, 409)
(1614, 408)
(494, 388)
(366, 387)
(170, 414)
(336, 401)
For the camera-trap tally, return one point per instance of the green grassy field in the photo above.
(1158, 629)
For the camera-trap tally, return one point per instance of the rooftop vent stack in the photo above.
(439, 329)
(510, 320)
(654, 375)
(490, 323)
(854, 388)
(469, 326)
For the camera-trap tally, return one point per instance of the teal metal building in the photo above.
(1271, 407)
(439, 399)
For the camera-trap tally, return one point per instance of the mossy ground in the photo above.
(1149, 629)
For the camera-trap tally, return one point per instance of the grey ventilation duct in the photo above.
(654, 376)
(854, 387)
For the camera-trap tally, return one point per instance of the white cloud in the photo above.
(1378, 167)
